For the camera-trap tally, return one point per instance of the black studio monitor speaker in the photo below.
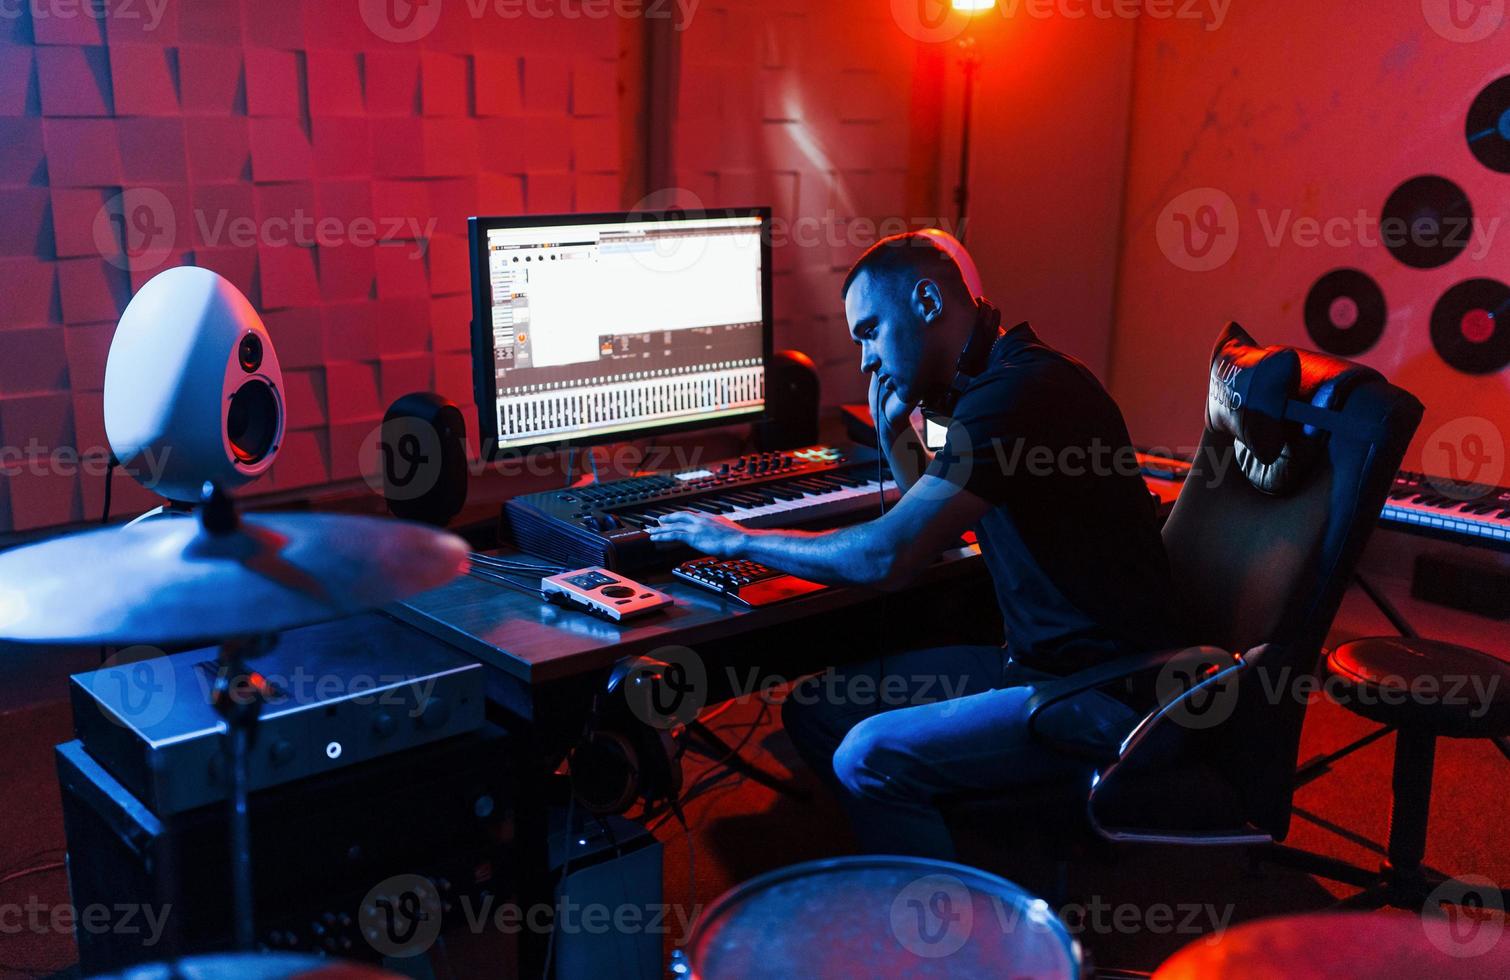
(424, 458)
(792, 397)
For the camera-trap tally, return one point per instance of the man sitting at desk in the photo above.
(1038, 461)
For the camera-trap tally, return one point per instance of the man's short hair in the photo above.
(912, 255)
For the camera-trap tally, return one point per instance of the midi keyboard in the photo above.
(608, 524)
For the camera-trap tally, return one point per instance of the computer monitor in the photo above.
(592, 328)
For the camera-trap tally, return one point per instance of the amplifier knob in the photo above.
(383, 725)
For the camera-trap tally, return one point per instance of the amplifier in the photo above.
(344, 692)
(435, 820)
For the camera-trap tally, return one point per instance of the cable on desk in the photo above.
(515, 565)
(497, 578)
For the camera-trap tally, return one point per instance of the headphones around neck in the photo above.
(972, 360)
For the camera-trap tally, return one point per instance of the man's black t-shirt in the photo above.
(1072, 539)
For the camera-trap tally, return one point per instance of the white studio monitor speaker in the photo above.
(193, 386)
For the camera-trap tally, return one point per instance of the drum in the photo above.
(1328, 945)
(878, 916)
(253, 966)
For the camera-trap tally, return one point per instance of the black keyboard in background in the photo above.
(1438, 507)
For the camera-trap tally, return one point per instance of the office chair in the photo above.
(1298, 455)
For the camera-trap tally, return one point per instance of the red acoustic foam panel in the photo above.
(450, 265)
(212, 79)
(443, 84)
(347, 272)
(392, 82)
(82, 152)
(401, 271)
(594, 88)
(219, 148)
(75, 214)
(351, 330)
(272, 83)
(498, 89)
(546, 193)
(18, 79)
(143, 24)
(287, 276)
(335, 82)
(347, 441)
(27, 228)
(74, 81)
(547, 84)
(87, 348)
(453, 378)
(595, 144)
(142, 76)
(272, 25)
(33, 361)
(68, 30)
(403, 326)
(400, 376)
(303, 461)
(325, 170)
(280, 150)
(29, 286)
(335, 26)
(298, 337)
(238, 265)
(342, 147)
(93, 290)
(304, 399)
(152, 150)
(451, 323)
(219, 23)
(352, 391)
(225, 216)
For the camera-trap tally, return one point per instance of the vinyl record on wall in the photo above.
(1470, 327)
(1345, 312)
(1489, 126)
(1427, 222)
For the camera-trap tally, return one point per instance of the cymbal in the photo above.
(1345, 944)
(173, 581)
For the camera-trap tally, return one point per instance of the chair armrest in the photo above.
(1122, 668)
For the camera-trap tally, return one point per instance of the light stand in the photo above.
(970, 61)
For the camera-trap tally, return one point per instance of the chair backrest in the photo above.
(1262, 542)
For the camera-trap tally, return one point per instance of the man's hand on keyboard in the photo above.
(707, 533)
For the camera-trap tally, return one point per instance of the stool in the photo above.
(1412, 685)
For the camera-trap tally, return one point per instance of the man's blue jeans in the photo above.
(894, 735)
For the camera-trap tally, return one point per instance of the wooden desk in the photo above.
(533, 644)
